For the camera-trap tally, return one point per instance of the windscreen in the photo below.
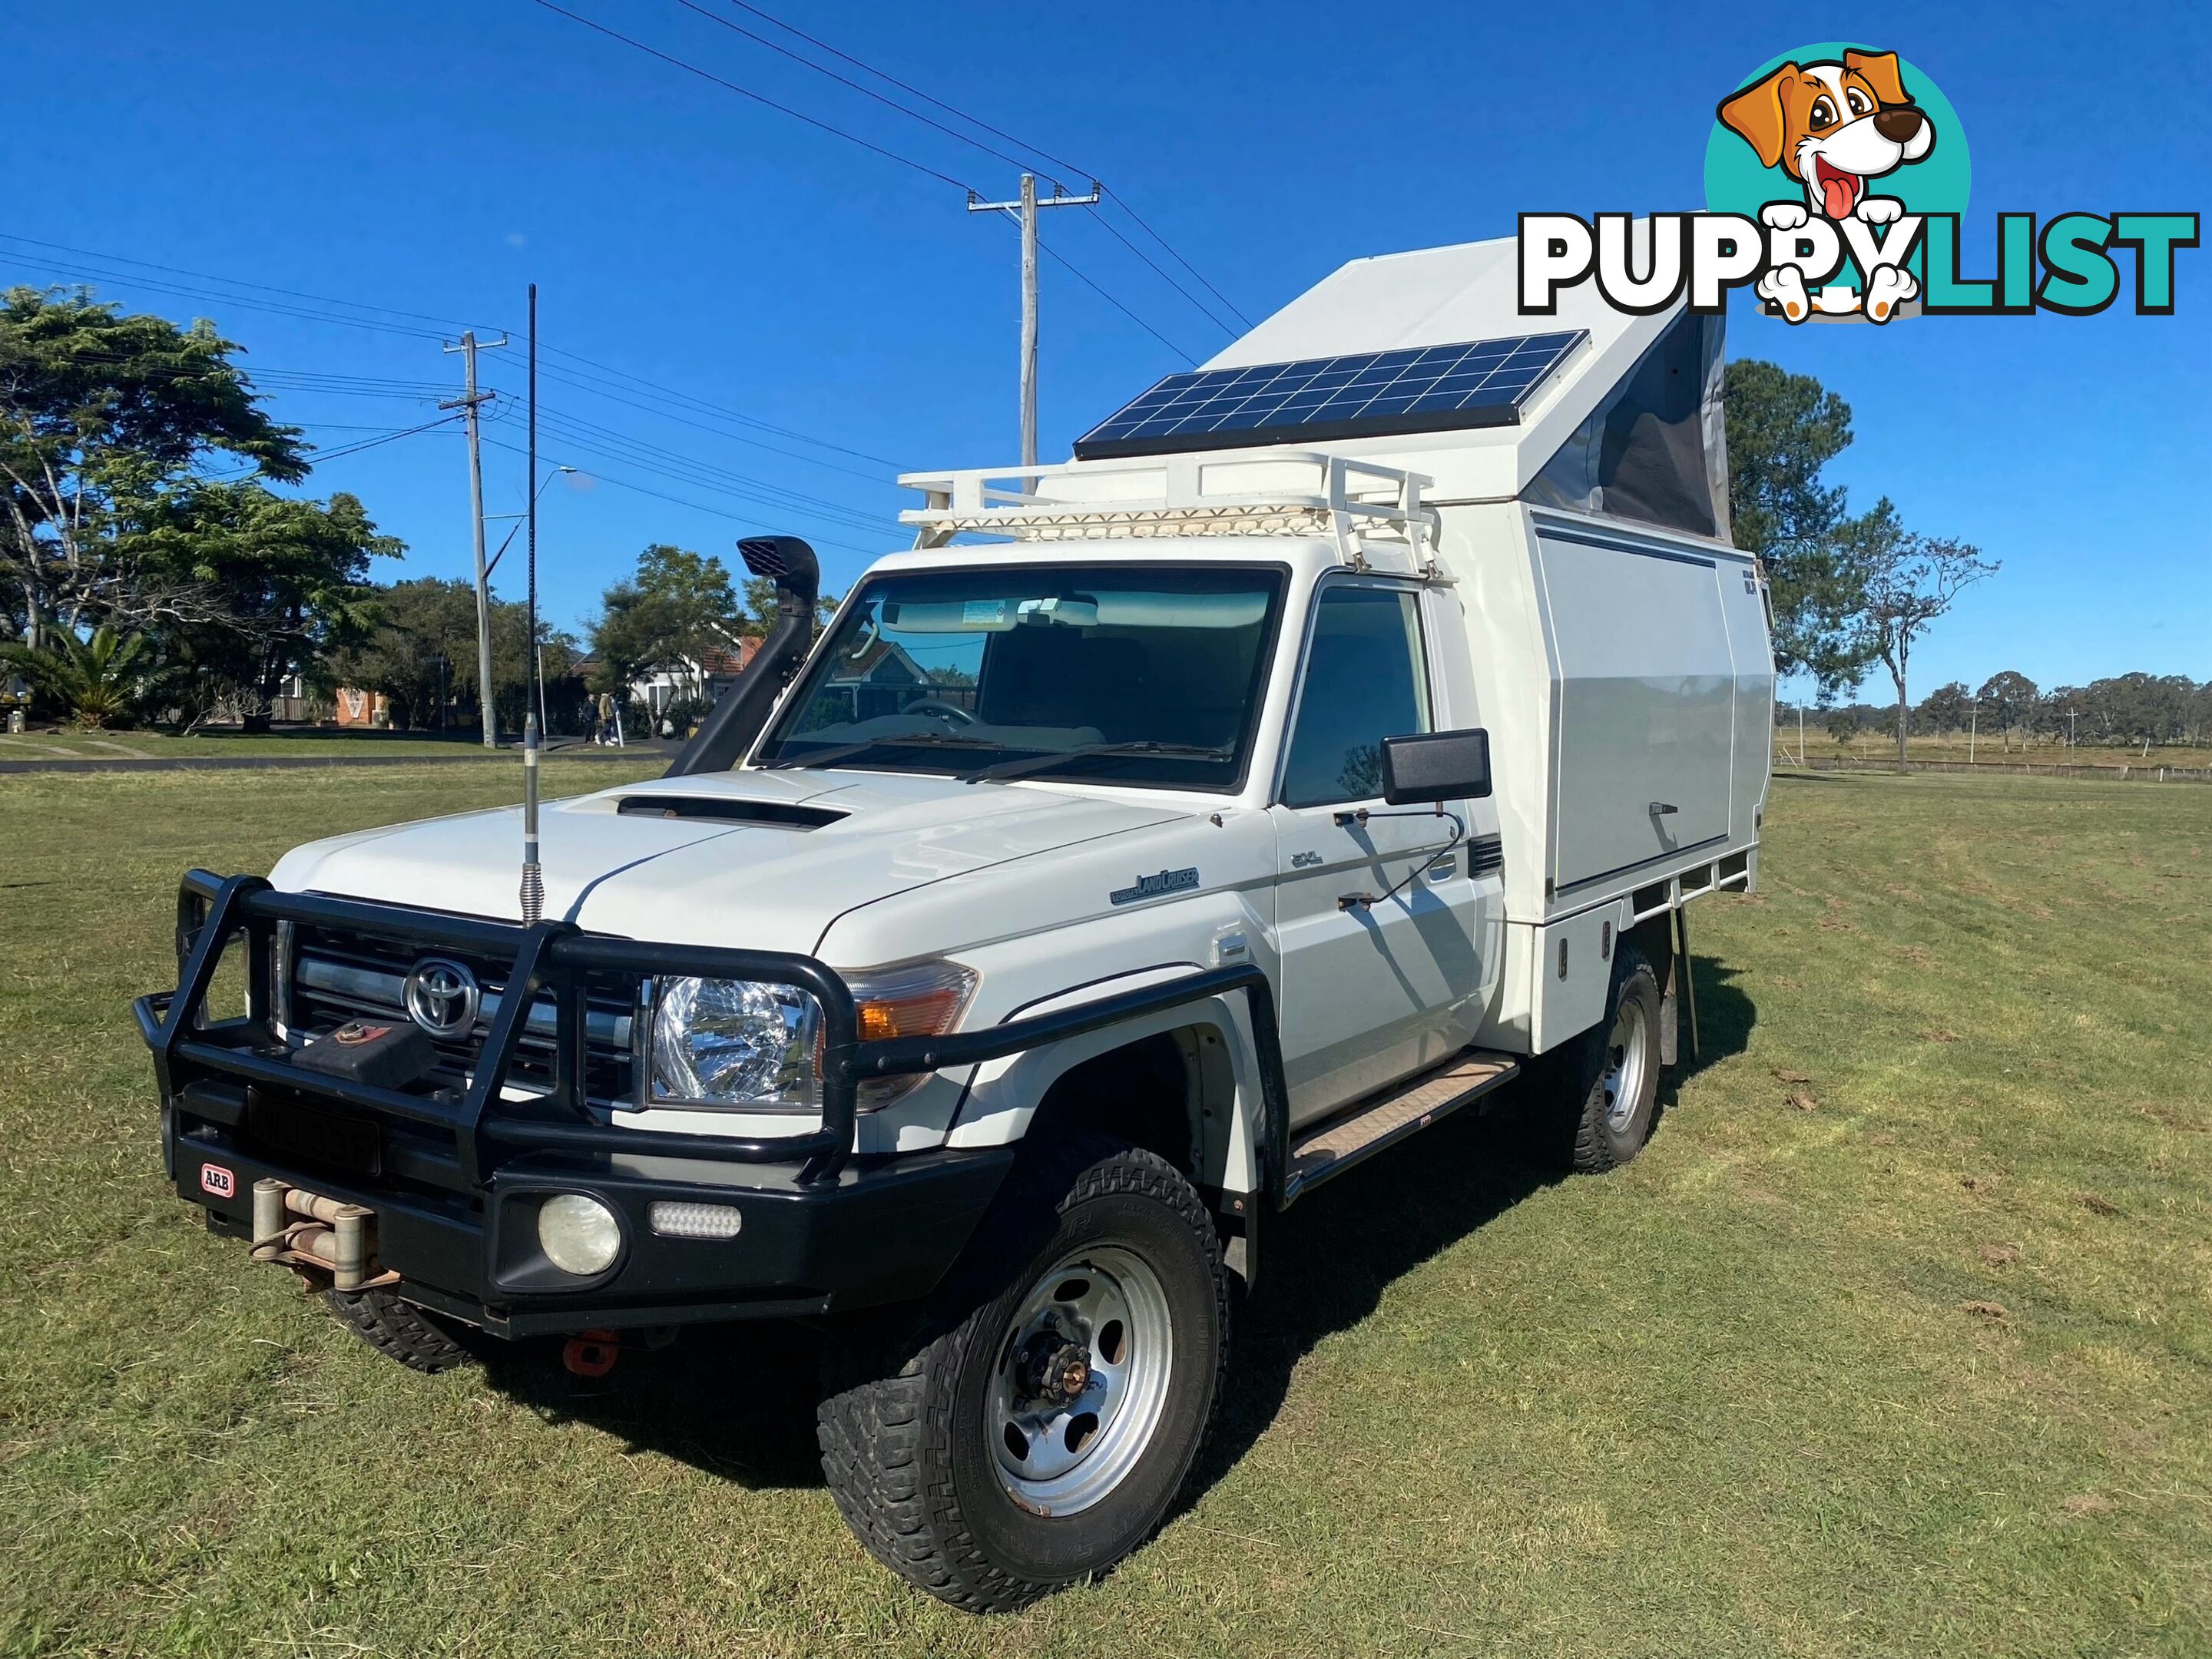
(1130, 675)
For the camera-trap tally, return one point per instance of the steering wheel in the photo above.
(951, 713)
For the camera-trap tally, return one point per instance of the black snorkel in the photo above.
(737, 719)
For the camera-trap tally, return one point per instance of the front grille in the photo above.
(334, 976)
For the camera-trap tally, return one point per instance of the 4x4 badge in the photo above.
(1168, 881)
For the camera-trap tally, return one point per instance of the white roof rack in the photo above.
(1366, 508)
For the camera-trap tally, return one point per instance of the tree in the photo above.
(1782, 430)
(677, 609)
(1910, 581)
(98, 680)
(763, 610)
(420, 649)
(280, 582)
(2010, 698)
(420, 652)
(1947, 708)
(101, 418)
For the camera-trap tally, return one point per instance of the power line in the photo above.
(446, 323)
(321, 456)
(747, 92)
(997, 132)
(689, 470)
(1076, 271)
(1115, 231)
(1123, 202)
(678, 470)
(712, 511)
(425, 388)
(826, 126)
(160, 285)
(590, 384)
(317, 456)
(845, 81)
(847, 56)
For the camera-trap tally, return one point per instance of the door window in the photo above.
(1365, 680)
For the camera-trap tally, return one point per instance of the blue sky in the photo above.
(436, 159)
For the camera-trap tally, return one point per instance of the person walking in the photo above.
(603, 726)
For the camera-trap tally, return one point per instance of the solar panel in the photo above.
(1371, 393)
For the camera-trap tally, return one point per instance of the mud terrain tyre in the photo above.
(1599, 1093)
(1029, 1425)
(397, 1329)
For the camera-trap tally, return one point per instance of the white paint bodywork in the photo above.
(1614, 665)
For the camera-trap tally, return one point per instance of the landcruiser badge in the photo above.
(442, 998)
(1168, 881)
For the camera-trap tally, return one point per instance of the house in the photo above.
(359, 709)
(705, 678)
(871, 679)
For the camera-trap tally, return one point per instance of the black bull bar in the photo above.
(553, 959)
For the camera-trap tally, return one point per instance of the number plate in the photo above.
(315, 1135)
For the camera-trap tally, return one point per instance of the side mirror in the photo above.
(1436, 766)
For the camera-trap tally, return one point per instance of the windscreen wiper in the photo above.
(1029, 764)
(836, 752)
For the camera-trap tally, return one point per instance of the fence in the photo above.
(2131, 772)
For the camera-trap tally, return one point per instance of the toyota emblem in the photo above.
(442, 998)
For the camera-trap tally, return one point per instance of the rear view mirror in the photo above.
(1436, 766)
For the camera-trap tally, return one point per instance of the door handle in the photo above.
(1660, 808)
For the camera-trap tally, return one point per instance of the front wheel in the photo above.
(1031, 1427)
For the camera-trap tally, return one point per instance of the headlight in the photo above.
(921, 999)
(733, 1042)
(579, 1234)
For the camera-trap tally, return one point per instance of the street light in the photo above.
(518, 518)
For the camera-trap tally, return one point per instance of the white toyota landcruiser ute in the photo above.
(1338, 735)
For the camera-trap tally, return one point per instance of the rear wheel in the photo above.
(1031, 1427)
(1601, 1089)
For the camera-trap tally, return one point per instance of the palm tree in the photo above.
(97, 680)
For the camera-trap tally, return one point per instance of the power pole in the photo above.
(1024, 212)
(1973, 725)
(468, 403)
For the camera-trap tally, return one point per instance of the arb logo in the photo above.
(213, 1178)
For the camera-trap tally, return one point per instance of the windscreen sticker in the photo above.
(983, 611)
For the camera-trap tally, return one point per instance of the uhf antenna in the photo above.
(533, 878)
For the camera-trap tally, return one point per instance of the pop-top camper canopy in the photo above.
(1424, 360)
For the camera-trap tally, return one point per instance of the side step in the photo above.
(1331, 1148)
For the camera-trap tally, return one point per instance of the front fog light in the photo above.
(579, 1235)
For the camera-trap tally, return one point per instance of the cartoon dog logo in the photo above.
(1832, 127)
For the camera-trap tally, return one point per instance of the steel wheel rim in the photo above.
(1060, 1448)
(1626, 1060)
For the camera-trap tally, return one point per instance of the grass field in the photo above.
(1897, 1340)
(1989, 750)
(71, 743)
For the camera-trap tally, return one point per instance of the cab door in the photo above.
(1376, 910)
